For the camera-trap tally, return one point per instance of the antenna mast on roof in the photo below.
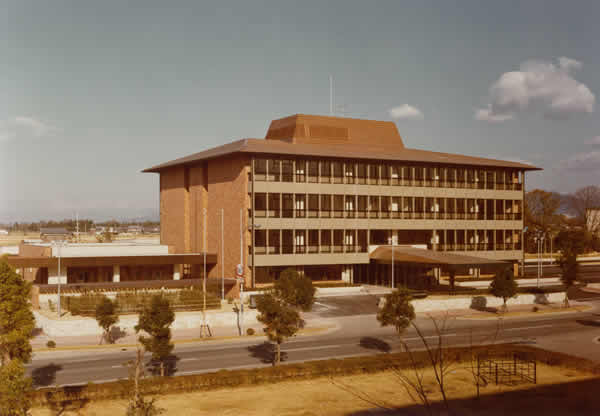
(331, 95)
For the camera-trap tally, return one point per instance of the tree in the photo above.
(397, 310)
(571, 243)
(14, 389)
(138, 405)
(16, 319)
(280, 319)
(106, 316)
(295, 289)
(504, 285)
(155, 320)
(541, 213)
(583, 204)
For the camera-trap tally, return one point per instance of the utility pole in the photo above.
(58, 245)
(393, 285)
(77, 225)
(205, 329)
(242, 270)
(222, 254)
(331, 95)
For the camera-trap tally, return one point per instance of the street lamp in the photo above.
(539, 239)
(59, 244)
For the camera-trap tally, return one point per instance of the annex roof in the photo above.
(336, 137)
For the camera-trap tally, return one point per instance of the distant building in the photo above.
(135, 229)
(3, 232)
(54, 234)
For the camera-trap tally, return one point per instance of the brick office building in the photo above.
(329, 195)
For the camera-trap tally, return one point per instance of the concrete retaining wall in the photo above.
(474, 302)
(80, 326)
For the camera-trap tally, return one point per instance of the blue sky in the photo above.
(93, 92)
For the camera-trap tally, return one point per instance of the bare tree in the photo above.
(584, 204)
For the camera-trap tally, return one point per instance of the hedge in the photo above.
(182, 300)
(307, 370)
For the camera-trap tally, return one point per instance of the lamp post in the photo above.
(393, 285)
(59, 244)
(539, 239)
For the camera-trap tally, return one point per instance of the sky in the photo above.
(92, 92)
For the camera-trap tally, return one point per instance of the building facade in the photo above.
(321, 194)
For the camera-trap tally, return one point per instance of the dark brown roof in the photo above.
(302, 135)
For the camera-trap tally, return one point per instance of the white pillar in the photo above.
(176, 271)
(116, 273)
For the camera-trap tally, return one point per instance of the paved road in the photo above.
(356, 335)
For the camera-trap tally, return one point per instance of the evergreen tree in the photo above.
(16, 319)
(106, 316)
(14, 389)
(571, 243)
(397, 310)
(281, 321)
(504, 286)
(295, 289)
(155, 320)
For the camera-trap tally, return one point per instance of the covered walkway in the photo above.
(421, 268)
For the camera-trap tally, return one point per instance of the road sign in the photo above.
(239, 270)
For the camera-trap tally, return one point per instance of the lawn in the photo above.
(559, 391)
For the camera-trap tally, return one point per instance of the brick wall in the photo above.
(173, 196)
(228, 190)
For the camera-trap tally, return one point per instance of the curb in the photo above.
(228, 339)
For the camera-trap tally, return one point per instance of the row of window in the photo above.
(357, 241)
(350, 172)
(275, 205)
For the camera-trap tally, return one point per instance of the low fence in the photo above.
(76, 288)
(183, 300)
(507, 370)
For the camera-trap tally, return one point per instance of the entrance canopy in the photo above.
(423, 257)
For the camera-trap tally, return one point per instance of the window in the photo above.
(325, 172)
(287, 201)
(274, 174)
(287, 171)
(313, 171)
(260, 204)
(300, 170)
(260, 169)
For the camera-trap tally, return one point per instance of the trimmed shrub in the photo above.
(250, 331)
(51, 344)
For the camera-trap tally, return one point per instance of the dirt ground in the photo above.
(382, 392)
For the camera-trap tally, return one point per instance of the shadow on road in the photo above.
(45, 376)
(588, 322)
(265, 352)
(153, 366)
(372, 343)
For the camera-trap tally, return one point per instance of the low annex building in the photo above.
(321, 194)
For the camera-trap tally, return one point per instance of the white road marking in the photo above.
(321, 347)
(429, 336)
(527, 327)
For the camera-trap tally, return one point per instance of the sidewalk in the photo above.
(179, 336)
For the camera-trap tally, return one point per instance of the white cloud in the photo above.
(539, 86)
(594, 141)
(406, 111)
(586, 161)
(22, 126)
